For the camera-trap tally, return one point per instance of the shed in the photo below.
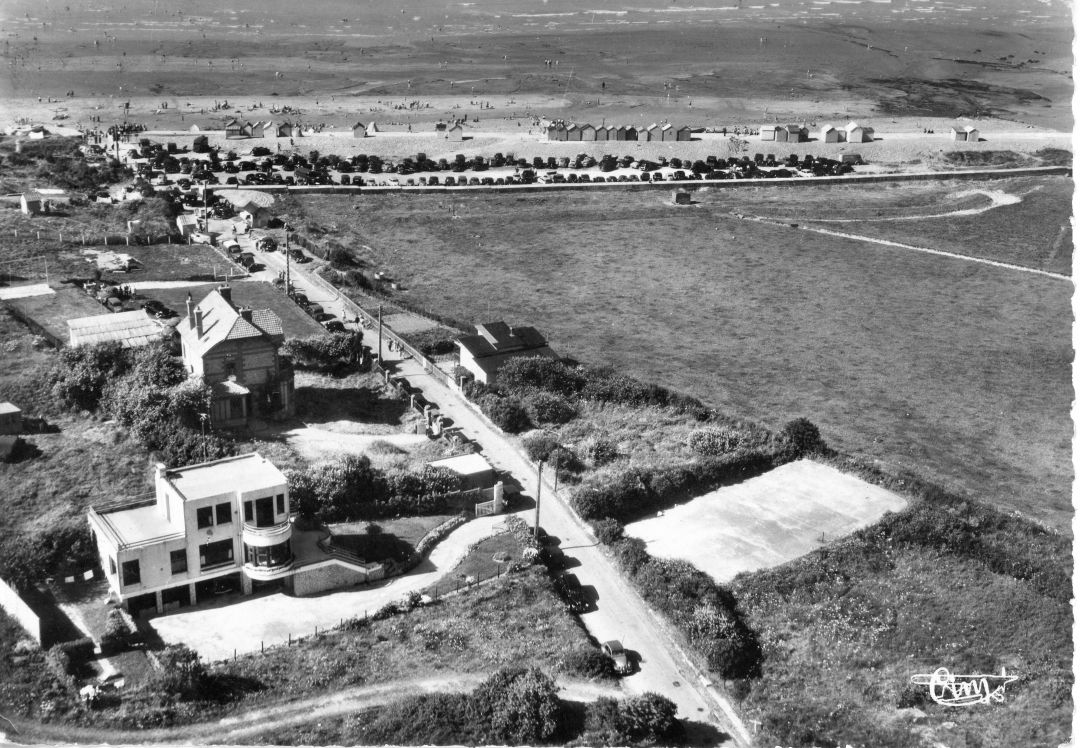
(473, 470)
(372, 129)
(857, 133)
(256, 216)
(572, 132)
(187, 223)
(588, 132)
(958, 133)
(667, 132)
(10, 419)
(652, 132)
(130, 329)
(683, 133)
(971, 132)
(260, 129)
(796, 133)
(830, 134)
(682, 198)
(234, 129)
(772, 132)
(607, 132)
(456, 132)
(284, 130)
(620, 133)
(631, 133)
(359, 130)
(246, 129)
(31, 204)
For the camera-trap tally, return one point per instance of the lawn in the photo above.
(480, 562)
(959, 371)
(295, 322)
(49, 313)
(394, 540)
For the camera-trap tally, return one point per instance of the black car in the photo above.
(155, 308)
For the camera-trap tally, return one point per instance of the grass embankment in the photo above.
(945, 583)
(771, 323)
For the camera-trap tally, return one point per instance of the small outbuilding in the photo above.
(796, 133)
(187, 224)
(284, 130)
(30, 203)
(620, 133)
(683, 133)
(473, 470)
(456, 132)
(652, 132)
(10, 419)
(256, 216)
(772, 132)
(971, 134)
(246, 129)
(234, 129)
(857, 133)
(572, 132)
(359, 130)
(632, 133)
(372, 129)
(830, 134)
(588, 132)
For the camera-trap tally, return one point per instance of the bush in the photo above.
(544, 407)
(507, 413)
(587, 662)
(651, 718)
(600, 451)
(117, 635)
(714, 441)
(608, 531)
(802, 437)
(630, 554)
(321, 352)
(60, 665)
(538, 445)
(79, 375)
(180, 674)
(542, 373)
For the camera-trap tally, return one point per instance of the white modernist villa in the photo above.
(219, 526)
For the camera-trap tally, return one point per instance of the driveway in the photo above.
(214, 632)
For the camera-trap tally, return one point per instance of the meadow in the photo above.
(955, 370)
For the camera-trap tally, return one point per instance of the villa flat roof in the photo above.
(141, 525)
(250, 472)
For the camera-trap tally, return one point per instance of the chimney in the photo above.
(226, 292)
(245, 313)
(198, 321)
(190, 314)
(159, 472)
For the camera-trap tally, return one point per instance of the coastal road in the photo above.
(619, 612)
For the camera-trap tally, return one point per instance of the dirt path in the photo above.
(323, 706)
(913, 248)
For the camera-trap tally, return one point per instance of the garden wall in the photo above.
(333, 575)
(17, 608)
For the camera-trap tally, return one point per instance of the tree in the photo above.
(651, 717)
(505, 412)
(519, 707)
(545, 407)
(608, 531)
(182, 674)
(802, 437)
(80, 374)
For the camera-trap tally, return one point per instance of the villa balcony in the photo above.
(268, 573)
(266, 536)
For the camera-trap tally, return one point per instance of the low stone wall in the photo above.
(331, 575)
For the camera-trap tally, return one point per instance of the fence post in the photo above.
(262, 647)
(290, 638)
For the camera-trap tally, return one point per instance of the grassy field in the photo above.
(254, 294)
(844, 629)
(50, 313)
(957, 370)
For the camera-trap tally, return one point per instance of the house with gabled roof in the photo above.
(234, 129)
(359, 130)
(235, 351)
(494, 344)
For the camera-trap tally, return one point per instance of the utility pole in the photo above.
(380, 336)
(288, 273)
(555, 491)
(539, 473)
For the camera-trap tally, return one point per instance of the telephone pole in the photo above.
(539, 473)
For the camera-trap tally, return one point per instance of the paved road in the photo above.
(619, 612)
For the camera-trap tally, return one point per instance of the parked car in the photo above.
(155, 308)
(619, 658)
(334, 325)
(569, 588)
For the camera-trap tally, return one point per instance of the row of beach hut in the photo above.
(236, 129)
(560, 131)
(852, 132)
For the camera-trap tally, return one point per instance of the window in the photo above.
(130, 573)
(112, 566)
(264, 512)
(204, 517)
(178, 561)
(215, 554)
(280, 503)
(224, 513)
(249, 511)
(230, 366)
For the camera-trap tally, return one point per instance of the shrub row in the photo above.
(350, 489)
(433, 537)
(636, 491)
(323, 352)
(699, 607)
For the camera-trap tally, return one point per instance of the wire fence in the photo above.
(76, 237)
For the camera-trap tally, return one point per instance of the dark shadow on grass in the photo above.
(326, 404)
(24, 451)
